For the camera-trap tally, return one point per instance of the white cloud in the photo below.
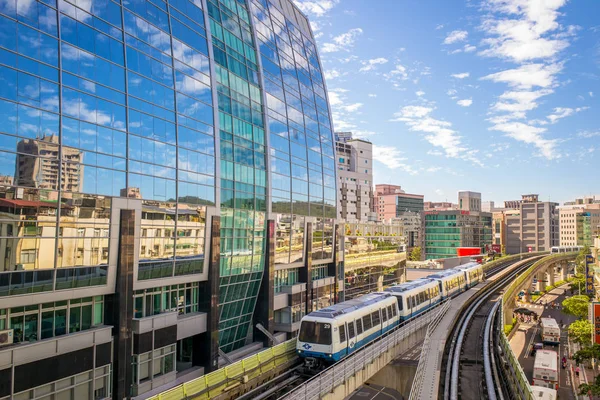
(523, 30)
(371, 64)
(456, 36)
(530, 135)
(332, 74)
(400, 70)
(465, 102)
(588, 134)
(563, 112)
(440, 26)
(591, 94)
(342, 42)
(469, 48)
(451, 92)
(516, 103)
(392, 158)
(316, 7)
(439, 192)
(420, 93)
(528, 75)
(372, 95)
(438, 133)
(462, 75)
(352, 107)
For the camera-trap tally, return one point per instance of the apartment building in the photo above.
(355, 177)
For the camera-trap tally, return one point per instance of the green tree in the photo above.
(577, 306)
(415, 254)
(581, 331)
(587, 353)
(580, 259)
(577, 283)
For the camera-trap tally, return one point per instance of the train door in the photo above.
(352, 337)
(384, 320)
(343, 349)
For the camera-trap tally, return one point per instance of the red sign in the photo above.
(465, 212)
(467, 251)
(497, 248)
(529, 249)
(596, 322)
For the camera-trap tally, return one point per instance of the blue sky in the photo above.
(496, 96)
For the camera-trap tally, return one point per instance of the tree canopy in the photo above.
(415, 254)
(576, 305)
(581, 331)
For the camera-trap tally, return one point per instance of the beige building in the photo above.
(39, 166)
(531, 225)
(355, 177)
(579, 223)
(469, 201)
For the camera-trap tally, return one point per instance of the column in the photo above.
(205, 347)
(119, 307)
(539, 286)
(264, 313)
(563, 271)
(550, 276)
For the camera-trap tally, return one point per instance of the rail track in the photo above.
(469, 364)
(284, 383)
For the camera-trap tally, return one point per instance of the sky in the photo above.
(495, 96)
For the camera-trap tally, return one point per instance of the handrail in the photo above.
(329, 379)
(416, 387)
(215, 383)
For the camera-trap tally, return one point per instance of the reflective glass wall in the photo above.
(101, 100)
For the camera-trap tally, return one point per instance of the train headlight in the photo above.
(328, 355)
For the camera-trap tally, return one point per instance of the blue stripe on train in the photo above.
(414, 314)
(342, 353)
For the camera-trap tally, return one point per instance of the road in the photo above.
(528, 334)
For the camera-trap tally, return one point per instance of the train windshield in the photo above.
(315, 332)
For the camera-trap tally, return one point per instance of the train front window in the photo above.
(315, 332)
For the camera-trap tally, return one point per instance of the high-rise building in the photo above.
(531, 225)
(488, 206)
(469, 201)
(579, 224)
(393, 203)
(439, 205)
(447, 230)
(355, 174)
(173, 190)
(447, 227)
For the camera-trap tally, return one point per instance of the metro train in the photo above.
(332, 333)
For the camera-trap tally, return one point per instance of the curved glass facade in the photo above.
(128, 128)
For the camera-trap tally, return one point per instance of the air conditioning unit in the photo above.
(6, 337)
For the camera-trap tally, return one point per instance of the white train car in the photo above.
(330, 334)
(450, 281)
(543, 393)
(473, 273)
(565, 249)
(416, 296)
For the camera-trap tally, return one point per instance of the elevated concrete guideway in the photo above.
(429, 383)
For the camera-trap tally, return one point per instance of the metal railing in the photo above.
(213, 384)
(328, 380)
(415, 390)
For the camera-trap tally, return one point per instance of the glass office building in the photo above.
(446, 231)
(167, 184)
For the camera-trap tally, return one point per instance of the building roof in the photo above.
(26, 203)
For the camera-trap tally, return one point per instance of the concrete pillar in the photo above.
(563, 271)
(540, 285)
(550, 276)
(380, 283)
